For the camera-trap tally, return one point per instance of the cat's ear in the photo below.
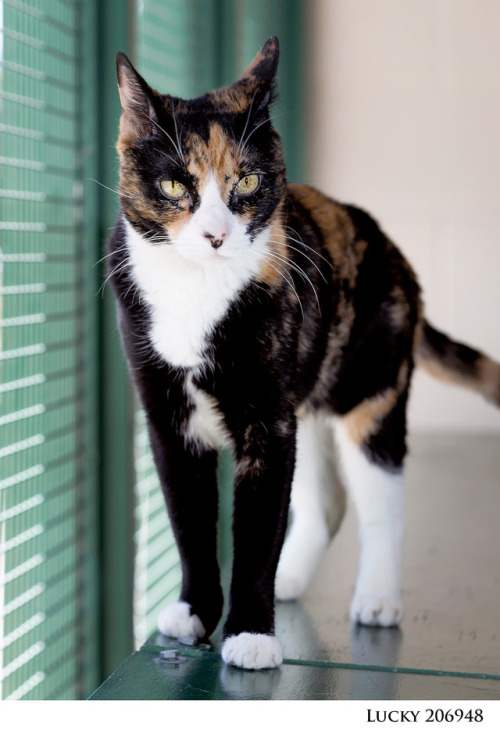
(259, 77)
(138, 113)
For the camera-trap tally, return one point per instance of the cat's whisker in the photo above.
(155, 235)
(110, 254)
(291, 262)
(111, 189)
(120, 267)
(290, 282)
(137, 292)
(238, 149)
(266, 254)
(289, 246)
(161, 242)
(267, 120)
(299, 241)
(298, 270)
(156, 238)
(166, 155)
(169, 137)
(179, 146)
(303, 244)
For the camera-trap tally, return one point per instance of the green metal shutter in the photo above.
(47, 452)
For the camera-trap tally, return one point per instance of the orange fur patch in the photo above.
(218, 156)
(274, 267)
(336, 228)
(364, 419)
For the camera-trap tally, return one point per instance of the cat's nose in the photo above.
(215, 241)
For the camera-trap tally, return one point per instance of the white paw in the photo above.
(377, 609)
(289, 587)
(252, 651)
(177, 620)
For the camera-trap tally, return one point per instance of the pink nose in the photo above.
(215, 241)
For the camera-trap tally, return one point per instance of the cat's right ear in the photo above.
(138, 117)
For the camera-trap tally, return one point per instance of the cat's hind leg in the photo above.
(371, 442)
(317, 503)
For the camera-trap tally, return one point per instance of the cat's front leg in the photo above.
(264, 470)
(188, 478)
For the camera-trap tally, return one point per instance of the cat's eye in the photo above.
(247, 185)
(173, 189)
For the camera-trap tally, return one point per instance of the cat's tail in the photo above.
(457, 363)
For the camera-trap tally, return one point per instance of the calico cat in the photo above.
(264, 316)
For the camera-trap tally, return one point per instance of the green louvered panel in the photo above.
(157, 573)
(175, 49)
(46, 514)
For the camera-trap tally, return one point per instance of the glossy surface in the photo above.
(451, 572)
(144, 676)
(448, 646)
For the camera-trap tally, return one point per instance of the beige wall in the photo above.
(404, 120)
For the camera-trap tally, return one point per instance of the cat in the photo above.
(261, 315)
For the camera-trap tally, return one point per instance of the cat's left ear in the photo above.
(259, 78)
(137, 98)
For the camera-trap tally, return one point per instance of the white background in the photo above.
(404, 121)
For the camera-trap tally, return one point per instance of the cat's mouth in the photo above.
(200, 253)
(233, 256)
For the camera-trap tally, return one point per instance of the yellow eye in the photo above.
(173, 189)
(247, 185)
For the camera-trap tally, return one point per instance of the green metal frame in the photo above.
(116, 417)
(89, 459)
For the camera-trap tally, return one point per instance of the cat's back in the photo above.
(331, 227)
(312, 210)
(352, 238)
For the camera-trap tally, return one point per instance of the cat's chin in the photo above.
(206, 260)
(241, 263)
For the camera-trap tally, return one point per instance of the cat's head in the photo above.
(205, 176)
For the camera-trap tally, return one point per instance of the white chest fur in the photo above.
(206, 426)
(186, 300)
